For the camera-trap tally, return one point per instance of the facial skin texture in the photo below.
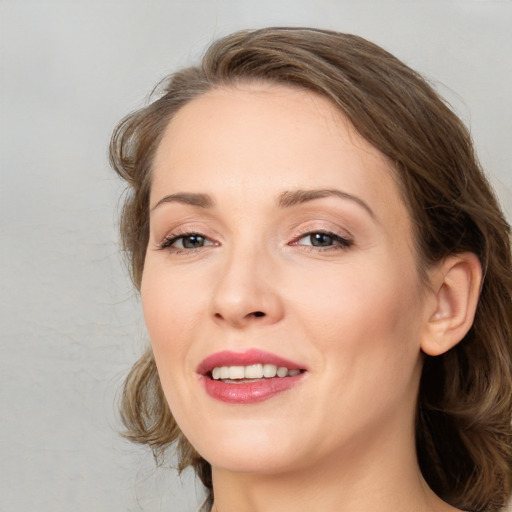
(354, 315)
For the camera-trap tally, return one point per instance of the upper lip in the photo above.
(246, 358)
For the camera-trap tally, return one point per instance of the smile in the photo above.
(248, 377)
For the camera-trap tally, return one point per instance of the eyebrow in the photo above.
(292, 198)
(199, 200)
(286, 199)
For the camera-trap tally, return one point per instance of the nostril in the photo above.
(258, 314)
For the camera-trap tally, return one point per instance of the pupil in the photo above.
(321, 240)
(193, 241)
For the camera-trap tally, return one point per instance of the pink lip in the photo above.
(247, 392)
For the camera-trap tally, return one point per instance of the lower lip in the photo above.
(249, 392)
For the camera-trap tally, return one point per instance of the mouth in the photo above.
(248, 377)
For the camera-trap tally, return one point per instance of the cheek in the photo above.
(375, 306)
(169, 311)
(366, 327)
(170, 314)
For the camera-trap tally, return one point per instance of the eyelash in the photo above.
(167, 242)
(339, 242)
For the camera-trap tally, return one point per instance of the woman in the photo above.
(326, 281)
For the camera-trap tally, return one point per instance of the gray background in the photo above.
(69, 71)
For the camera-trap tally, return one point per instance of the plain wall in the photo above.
(69, 70)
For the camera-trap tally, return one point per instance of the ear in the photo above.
(456, 287)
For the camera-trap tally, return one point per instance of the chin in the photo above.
(247, 449)
(256, 461)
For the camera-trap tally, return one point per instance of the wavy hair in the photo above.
(463, 427)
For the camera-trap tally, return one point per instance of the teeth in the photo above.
(269, 370)
(236, 372)
(282, 371)
(253, 371)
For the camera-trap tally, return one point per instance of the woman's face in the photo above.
(279, 239)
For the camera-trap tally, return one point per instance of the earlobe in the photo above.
(456, 287)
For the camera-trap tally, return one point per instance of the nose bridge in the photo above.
(244, 291)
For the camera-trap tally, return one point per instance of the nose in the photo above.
(246, 291)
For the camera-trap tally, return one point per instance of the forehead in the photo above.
(243, 140)
(260, 111)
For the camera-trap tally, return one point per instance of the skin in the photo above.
(355, 315)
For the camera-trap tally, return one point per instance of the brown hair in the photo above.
(463, 429)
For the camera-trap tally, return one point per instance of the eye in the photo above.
(322, 239)
(186, 241)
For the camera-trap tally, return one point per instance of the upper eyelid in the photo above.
(310, 229)
(188, 228)
(324, 232)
